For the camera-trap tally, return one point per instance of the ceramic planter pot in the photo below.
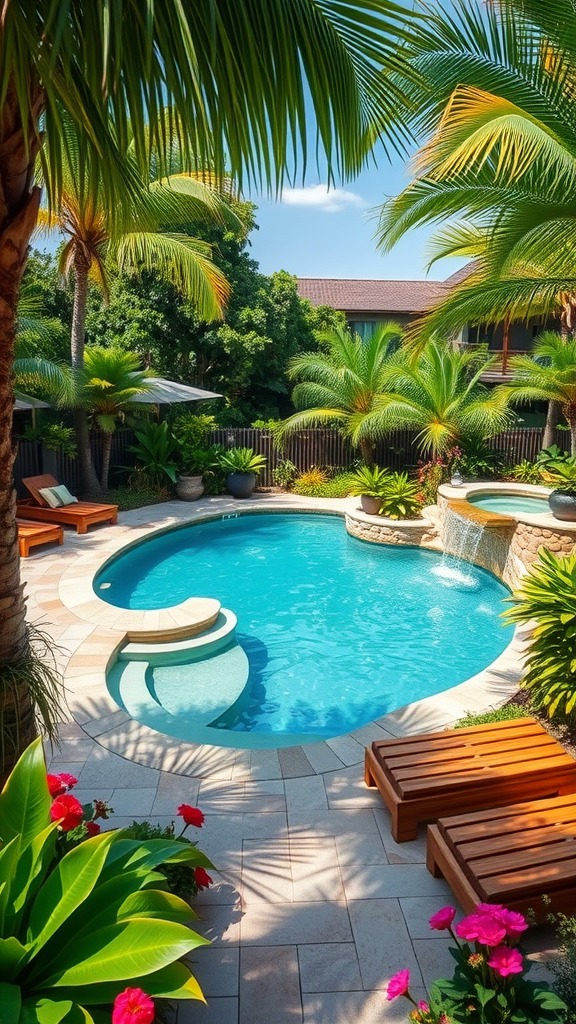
(240, 485)
(370, 505)
(563, 505)
(189, 488)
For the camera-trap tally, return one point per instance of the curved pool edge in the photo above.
(99, 716)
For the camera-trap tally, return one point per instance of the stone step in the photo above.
(217, 637)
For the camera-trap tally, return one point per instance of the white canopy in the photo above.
(164, 392)
(22, 403)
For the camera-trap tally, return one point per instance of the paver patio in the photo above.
(314, 905)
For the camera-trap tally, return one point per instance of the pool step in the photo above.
(192, 695)
(218, 636)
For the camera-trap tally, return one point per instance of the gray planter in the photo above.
(189, 488)
(370, 504)
(563, 505)
(240, 485)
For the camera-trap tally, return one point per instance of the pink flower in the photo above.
(202, 878)
(481, 928)
(505, 961)
(514, 923)
(191, 815)
(133, 1006)
(67, 811)
(398, 985)
(423, 1007)
(442, 919)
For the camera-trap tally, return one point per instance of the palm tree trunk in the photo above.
(572, 425)
(367, 449)
(19, 202)
(552, 420)
(89, 483)
(106, 449)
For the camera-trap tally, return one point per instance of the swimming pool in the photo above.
(337, 632)
(510, 504)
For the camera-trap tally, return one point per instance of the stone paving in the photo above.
(314, 905)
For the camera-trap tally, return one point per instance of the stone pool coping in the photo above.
(542, 519)
(105, 628)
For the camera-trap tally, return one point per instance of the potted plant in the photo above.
(562, 501)
(241, 466)
(192, 434)
(368, 485)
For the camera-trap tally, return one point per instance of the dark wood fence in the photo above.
(320, 447)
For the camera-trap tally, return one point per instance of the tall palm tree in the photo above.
(136, 238)
(108, 383)
(438, 393)
(549, 376)
(495, 96)
(343, 384)
(244, 84)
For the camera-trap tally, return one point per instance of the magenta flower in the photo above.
(481, 928)
(442, 920)
(398, 985)
(423, 1007)
(133, 1006)
(505, 961)
(514, 923)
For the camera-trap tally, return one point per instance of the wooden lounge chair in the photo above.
(31, 534)
(81, 515)
(511, 855)
(423, 778)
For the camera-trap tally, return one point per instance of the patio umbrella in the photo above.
(23, 403)
(164, 392)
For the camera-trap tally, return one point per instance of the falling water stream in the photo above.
(462, 538)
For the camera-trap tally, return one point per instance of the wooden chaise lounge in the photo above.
(81, 514)
(31, 534)
(511, 855)
(423, 778)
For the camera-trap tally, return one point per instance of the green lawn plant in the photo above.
(547, 597)
(156, 451)
(401, 497)
(371, 481)
(241, 460)
(75, 931)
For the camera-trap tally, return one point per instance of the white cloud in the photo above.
(322, 198)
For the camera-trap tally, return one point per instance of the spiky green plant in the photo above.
(400, 499)
(547, 597)
(369, 480)
(241, 460)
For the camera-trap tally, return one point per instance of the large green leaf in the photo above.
(43, 1010)
(12, 952)
(122, 951)
(67, 887)
(155, 903)
(29, 873)
(172, 982)
(10, 1003)
(25, 801)
(8, 861)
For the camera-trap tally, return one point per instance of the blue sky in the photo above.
(313, 232)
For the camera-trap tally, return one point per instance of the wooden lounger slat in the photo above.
(510, 855)
(424, 777)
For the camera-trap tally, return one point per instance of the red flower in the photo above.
(442, 919)
(203, 880)
(58, 784)
(93, 829)
(133, 1006)
(69, 809)
(191, 815)
(398, 985)
(506, 961)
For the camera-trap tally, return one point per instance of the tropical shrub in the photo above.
(195, 453)
(180, 878)
(55, 436)
(526, 472)
(316, 483)
(489, 985)
(430, 476)
(547, 596)
(284, 473)
(401, 497)
(563, 966)
(369, 480)
(339, 486)
(241, 460)
(562, 474)
(155, 453)
(75, 928)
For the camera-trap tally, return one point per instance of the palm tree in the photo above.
(135, 239)
(243, 85)
(439, 394)
(495, 94)
(109, 382)
(550, 376)
(343, 384)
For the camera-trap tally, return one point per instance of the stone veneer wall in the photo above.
(527, 539)
(419, 532)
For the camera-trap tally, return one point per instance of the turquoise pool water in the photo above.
(337, 631)
(509, 504)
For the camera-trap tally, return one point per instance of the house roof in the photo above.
(354, 294)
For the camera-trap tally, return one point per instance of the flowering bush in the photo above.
(489, 984)
(79, 919)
